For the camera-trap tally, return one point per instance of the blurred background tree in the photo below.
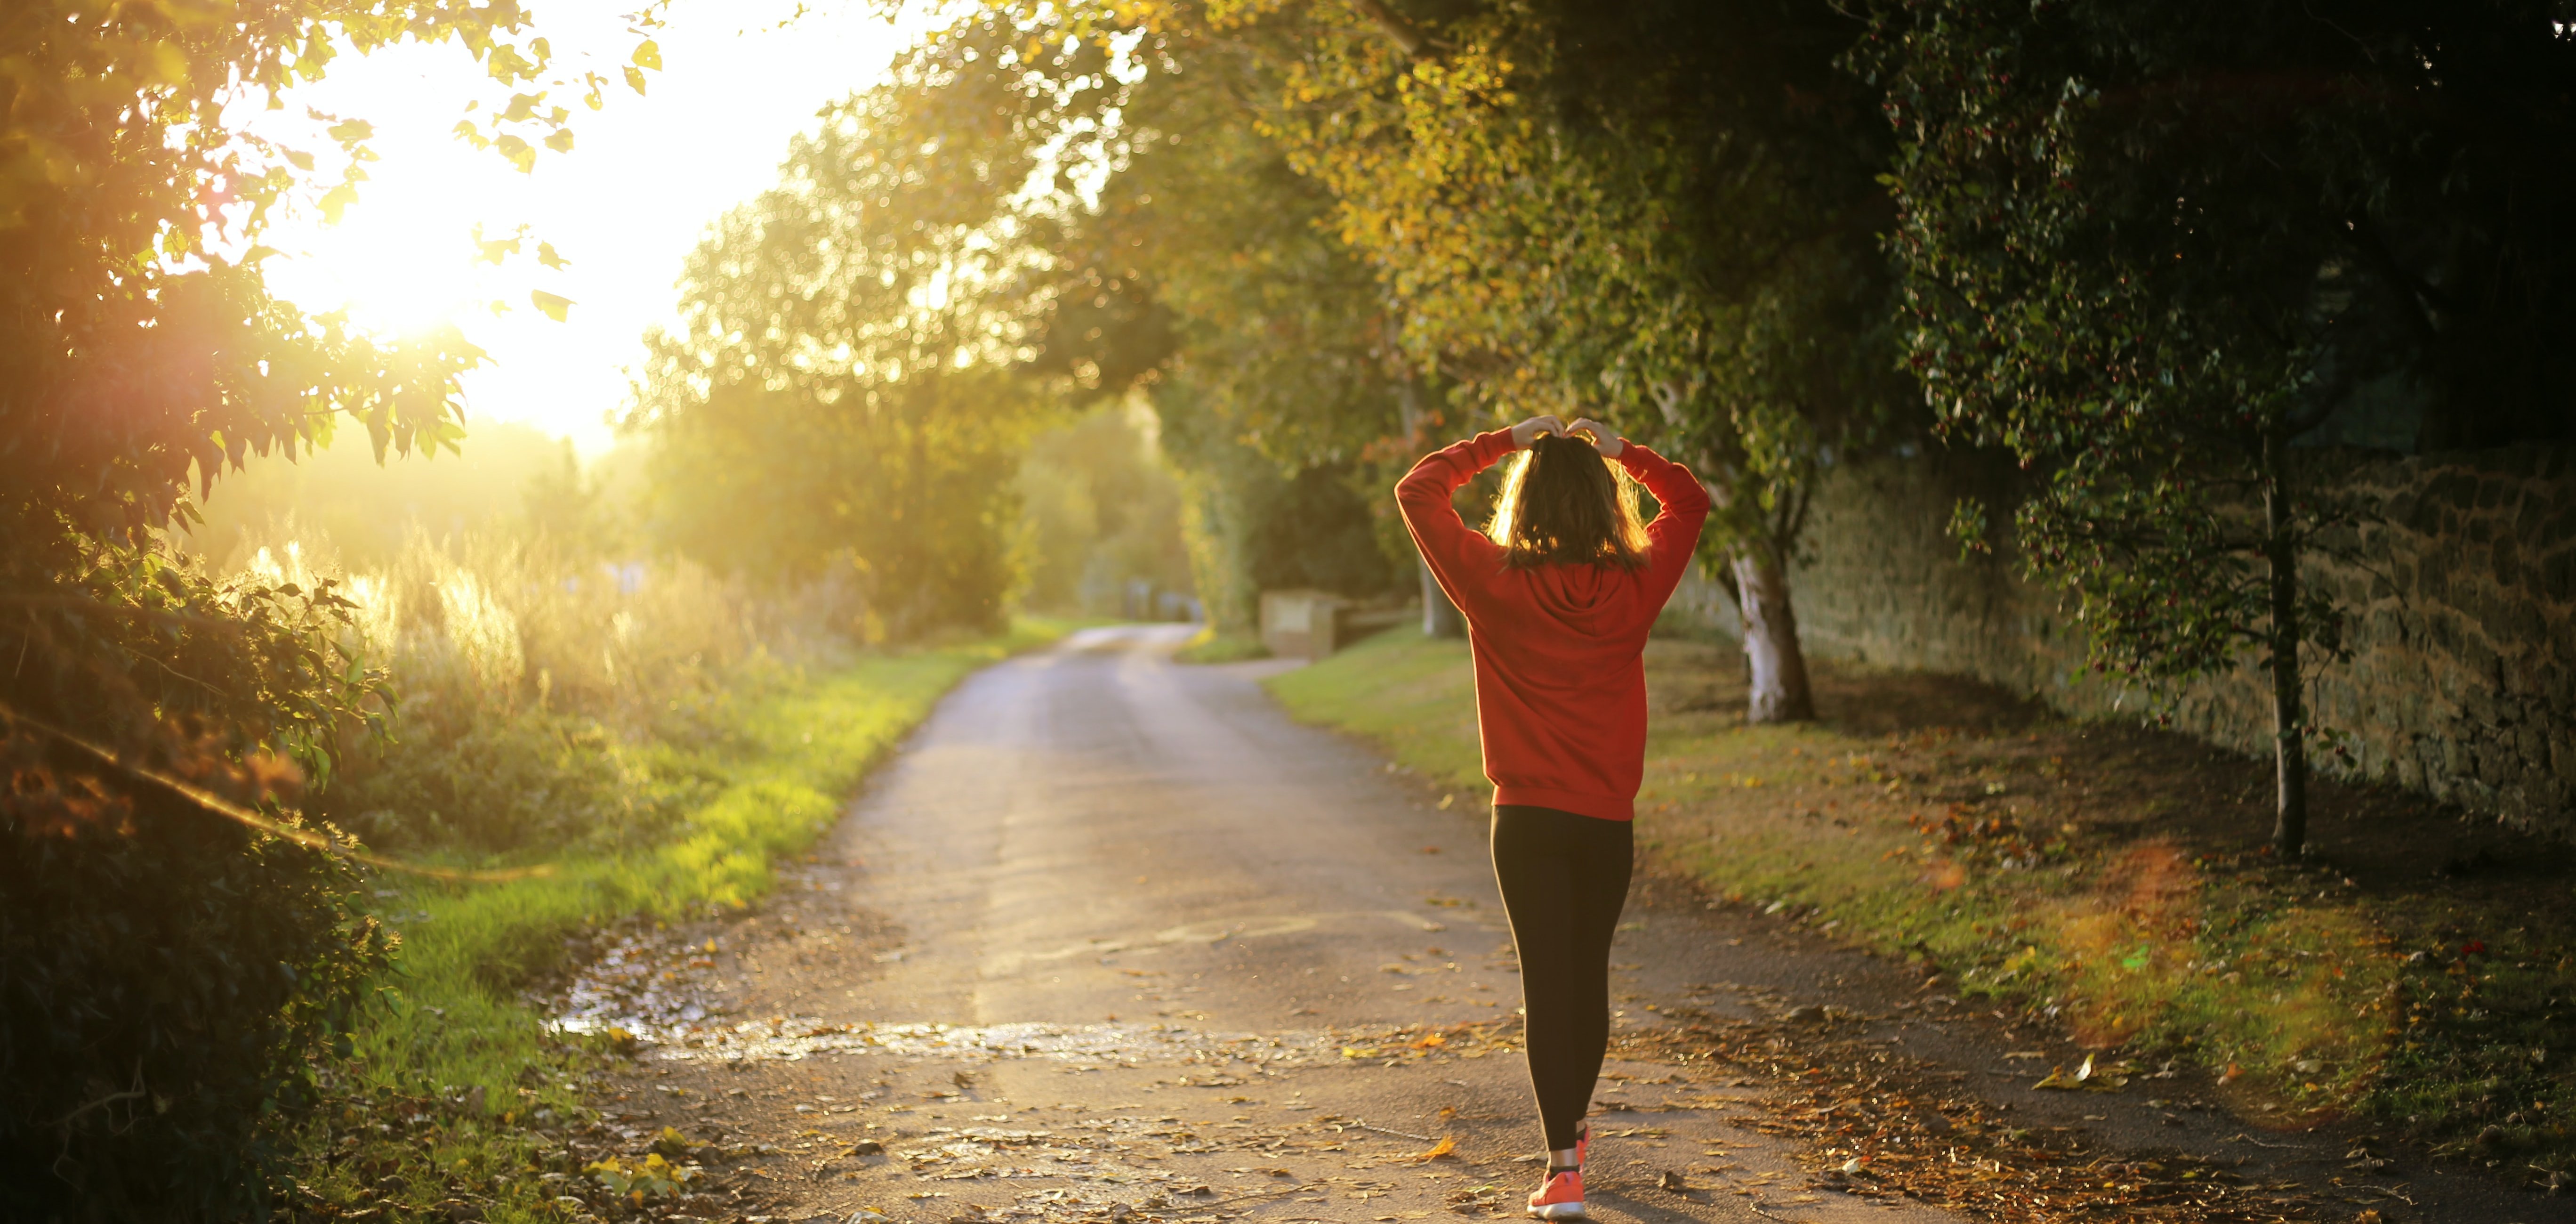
(1101, 512)
(1376, 229)
(847, 392)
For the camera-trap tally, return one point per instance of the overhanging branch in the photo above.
(209, 801)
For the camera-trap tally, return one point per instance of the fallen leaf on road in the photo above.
(2089, 1078)
(1447, 1148)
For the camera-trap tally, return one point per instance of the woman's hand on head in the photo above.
(1528, 431)
(1604, 438)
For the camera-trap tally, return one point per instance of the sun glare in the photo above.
(645, 177)
(397, 269)
(403, 259)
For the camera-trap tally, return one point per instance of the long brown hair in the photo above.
(1563, 505)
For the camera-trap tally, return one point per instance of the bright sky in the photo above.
(645, 178)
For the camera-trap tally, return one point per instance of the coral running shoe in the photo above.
(1561, 1198)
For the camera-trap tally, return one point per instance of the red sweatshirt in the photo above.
(1560, 669)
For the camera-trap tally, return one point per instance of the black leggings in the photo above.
(1564, 878)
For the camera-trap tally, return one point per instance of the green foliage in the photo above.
(1287, 398)
(461, 781)
(165, 970)
(1281, 338)
(2138, 364)
(536, 684)
(1369, 231)
(1254, 527)
(1168, 243)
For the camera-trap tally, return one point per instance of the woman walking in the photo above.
(1559, 594)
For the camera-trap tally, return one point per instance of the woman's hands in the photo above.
(1600, 435)
(1528, 431)
(1603, 437)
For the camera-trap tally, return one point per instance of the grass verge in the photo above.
(2415, 970)
(453, 1099)
(1210, 646)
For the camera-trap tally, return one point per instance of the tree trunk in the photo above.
(1779, 691)
(2289, 715)
(1440, 618)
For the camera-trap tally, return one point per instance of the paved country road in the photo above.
(1113, 938)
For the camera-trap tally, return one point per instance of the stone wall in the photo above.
(2462, 680)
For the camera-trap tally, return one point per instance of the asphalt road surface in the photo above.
(1113, 938)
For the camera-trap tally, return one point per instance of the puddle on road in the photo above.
(646, 983)
(656, 988)
(791, 1038)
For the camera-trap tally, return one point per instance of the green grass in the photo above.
(450, 1028)
(2099, 878)
(1210, 646)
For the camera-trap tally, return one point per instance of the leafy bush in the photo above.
(163, 970)
(161, 983)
